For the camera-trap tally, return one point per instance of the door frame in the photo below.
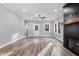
(37, 33)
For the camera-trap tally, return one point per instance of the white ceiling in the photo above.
(33, 9)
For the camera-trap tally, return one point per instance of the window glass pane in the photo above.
(55, 28)
(46, 27)
(36, 27)
(58, 27)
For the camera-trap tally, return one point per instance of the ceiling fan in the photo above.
(41, 17)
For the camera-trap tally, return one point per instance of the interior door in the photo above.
(36, 29)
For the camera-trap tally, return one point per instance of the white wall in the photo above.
(9, 25)
(58, 35)
(42, 28)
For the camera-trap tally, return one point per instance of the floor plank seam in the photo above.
(44, 50)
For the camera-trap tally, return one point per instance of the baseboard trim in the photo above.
(39, 36)
(11, 42)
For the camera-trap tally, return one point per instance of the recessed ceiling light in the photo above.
(55, 10)
(24, 10)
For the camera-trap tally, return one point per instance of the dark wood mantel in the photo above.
(74, 20)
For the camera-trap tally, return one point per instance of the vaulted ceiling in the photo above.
(30, 11)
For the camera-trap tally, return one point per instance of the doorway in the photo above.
(36, 30)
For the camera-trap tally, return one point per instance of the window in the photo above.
(36, 27)
(46, 27)
(58, 27)
(55, 28)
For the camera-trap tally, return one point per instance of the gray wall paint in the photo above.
(58, 35)
(9, 25)
(42, 28)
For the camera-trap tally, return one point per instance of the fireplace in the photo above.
(73, 45)
(71, 27)
(71, 37)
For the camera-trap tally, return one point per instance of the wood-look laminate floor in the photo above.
(35, 47)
